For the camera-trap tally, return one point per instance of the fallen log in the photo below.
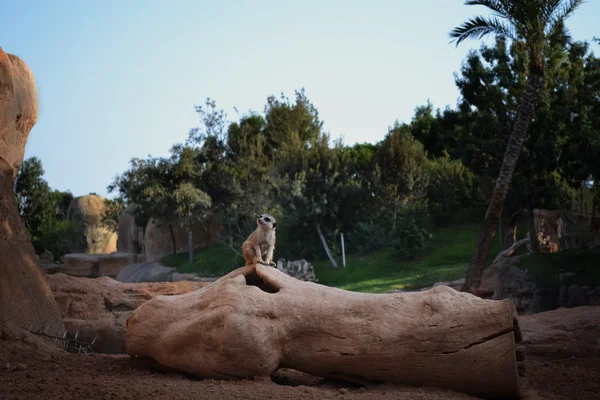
(257, 319)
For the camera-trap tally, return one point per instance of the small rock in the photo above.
(7, 367)
(343, 391)
(21, 367)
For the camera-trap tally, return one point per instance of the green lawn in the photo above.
(445, 259)
(210, 261)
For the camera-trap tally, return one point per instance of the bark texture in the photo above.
(257, 319)
(509, 163)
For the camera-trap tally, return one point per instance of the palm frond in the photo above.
(479, 27)
(559, 33)
(496, 6)
(560, 14)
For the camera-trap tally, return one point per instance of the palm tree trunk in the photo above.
(324, 243)
(511, 156)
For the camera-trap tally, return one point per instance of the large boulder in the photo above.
(562, 333)
(506, 280)
(164, 238)
(92, 237)
(152, 272)
(94, 265)
(25, 298)
(131, 236)
(99, 308)
(299, 269)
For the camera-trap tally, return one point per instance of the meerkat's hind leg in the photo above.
(259, 259)
(269, 257)
(249, 254)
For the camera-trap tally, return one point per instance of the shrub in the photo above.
(450, 188)
(411, 235)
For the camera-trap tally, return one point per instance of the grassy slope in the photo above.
(445, 259)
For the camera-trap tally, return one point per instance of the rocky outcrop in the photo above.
(95, 265)
(299, 269)
(92, 237)
(560, 230)
(562, 333)
(99, 308)
(152, 272)
(25, 298)
(46, 257)
(161, 237)
(131, 236)
(505, 280)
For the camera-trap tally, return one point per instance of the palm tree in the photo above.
(536, 23)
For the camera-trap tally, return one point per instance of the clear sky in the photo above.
(119, 78)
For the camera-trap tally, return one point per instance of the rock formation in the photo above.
(257, 319)
(92, 237)
(562, 333)
(25, 297)
(152, 272)
(299, 269)
(131, 236)
(99, 308)
(161, 238)
(505, 280)
(559, 230)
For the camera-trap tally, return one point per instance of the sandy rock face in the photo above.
(131, 236)
(562, 333)
(93, 238)
(99, 308)
(25, 298)
(161, 238)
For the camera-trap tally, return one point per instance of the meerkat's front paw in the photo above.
(272, 264)
(261, 262)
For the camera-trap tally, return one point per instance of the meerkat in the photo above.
(260, 245)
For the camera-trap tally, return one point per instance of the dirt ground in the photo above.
(29, 373)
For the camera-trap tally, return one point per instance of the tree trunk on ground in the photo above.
(190, 243)
(325, 246)
(257, 319)
(511, 250)
(509, 163)
(173, 238)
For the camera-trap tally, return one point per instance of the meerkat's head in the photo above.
(266, 221)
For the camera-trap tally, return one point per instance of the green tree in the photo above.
(536, 23)
(450, 187)
(165, 189)
(400, 175)
(111, 214)
(42, 209)
(312, 190)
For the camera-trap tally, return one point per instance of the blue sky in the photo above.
(119, 79)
